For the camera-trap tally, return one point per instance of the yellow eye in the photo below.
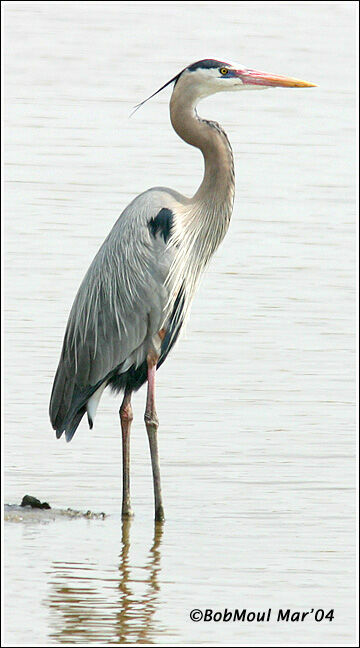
(224, 70)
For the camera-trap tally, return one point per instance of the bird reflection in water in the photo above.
(93, 604)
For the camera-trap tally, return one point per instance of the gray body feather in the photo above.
(119, 308)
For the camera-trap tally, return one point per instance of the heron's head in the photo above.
(208, 76)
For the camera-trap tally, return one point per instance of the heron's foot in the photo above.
(159, 514)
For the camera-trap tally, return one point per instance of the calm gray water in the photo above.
(256, 403)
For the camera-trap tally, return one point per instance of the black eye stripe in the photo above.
(206, 64)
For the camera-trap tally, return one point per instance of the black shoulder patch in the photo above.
(206, 64)
(162, 223)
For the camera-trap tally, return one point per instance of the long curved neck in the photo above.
(216, 192)
(201, 224)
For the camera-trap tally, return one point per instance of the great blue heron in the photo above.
(134, 298)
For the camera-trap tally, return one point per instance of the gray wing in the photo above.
(119, 306)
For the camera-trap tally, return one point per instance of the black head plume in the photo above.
(175, 78)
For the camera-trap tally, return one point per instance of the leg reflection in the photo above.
(139, 604)
(107, 601)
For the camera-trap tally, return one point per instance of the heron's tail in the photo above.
(68, 404)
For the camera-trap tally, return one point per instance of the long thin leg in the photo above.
(152, 424)
(126, 417)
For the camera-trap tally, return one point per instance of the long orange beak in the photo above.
(253, 77)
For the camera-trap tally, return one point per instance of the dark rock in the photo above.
(29, 500)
